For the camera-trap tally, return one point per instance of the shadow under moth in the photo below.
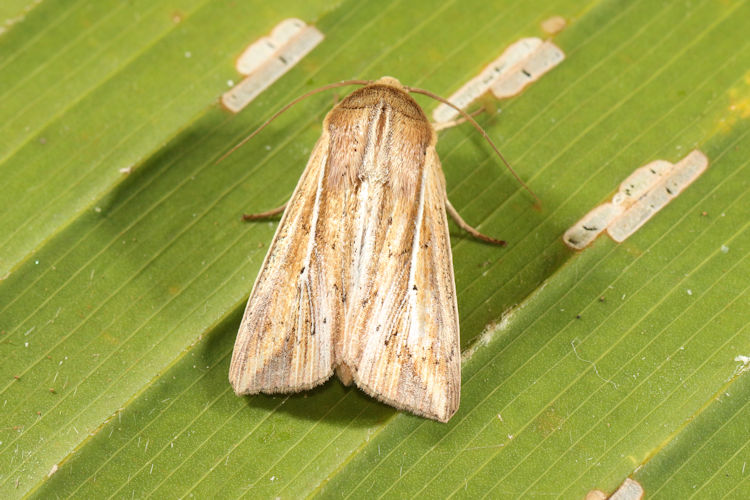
(359, 277)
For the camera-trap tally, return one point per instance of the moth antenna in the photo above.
(344, 83)
(471, 120)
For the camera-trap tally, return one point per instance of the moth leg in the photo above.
(452, 123)
(466, 227)
(264, 215)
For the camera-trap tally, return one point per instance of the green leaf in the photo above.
(122, 290)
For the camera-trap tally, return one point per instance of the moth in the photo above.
(359, 277)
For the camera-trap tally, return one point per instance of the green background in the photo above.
(121, 293)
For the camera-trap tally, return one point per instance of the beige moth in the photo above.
(359, 277)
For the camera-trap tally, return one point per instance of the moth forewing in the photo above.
(359, 276)
(411, 359)
(278, 347)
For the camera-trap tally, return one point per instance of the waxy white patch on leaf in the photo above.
(266, 60)
(520, 64)
(646, 191)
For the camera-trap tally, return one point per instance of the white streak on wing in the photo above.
(323, 305)
(364, 243)
(416, 317)
(416, 328)
(360, 243)
(305, 278)
(355, 265)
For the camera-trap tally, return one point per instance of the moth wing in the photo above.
(284, 343)
(403, 345)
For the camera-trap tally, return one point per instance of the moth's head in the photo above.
(390, 81)
(384, 91)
